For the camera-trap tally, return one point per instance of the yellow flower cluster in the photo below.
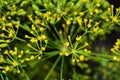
(10, 58)
(116, 47)
(114, 17)
(54, 27)
(76, 49)
(8, 29)
(38, 42)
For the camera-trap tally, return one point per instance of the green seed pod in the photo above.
(35, 7)
(23, 3)
(2, 41)
(38, 13)
(21, 12)
(2, 45)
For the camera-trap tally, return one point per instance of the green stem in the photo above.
(2, 77)
(54, 65)
(27, 77)
(74, 74)
(22, 40)
(61, 70)
(6, 78)
(54, 53)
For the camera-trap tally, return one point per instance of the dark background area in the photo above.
(116, 3)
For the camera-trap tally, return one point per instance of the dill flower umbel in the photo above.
(55, 39)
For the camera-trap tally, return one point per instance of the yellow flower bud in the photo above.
(33, 40)
(14, 63)
(81, 58)
(80, 21)
(66, 43)
(68, 22)
(7, 68)
(43, 48)
(32, 57)
(78, 38)
(41, 29)
(89, 25)
(66, 54)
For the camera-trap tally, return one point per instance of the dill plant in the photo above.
(53, 39)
